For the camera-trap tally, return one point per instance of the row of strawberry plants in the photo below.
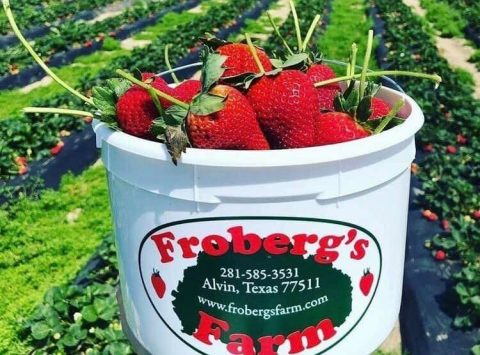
(450, 172)
(83, 316)
(33, 137)
(33, 13)
(470, 10)
(77, 33)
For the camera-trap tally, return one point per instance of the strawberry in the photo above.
(22, 169)
(136, 112)
(380, 108)
(240, 60)
(461, 139)
(429, 215)
(446, 225)
(440, 255)
(88, 119)
(158, 284)
(287, 106)
(235, 126)
(185, 92)
(325, 94)
(337, 127)
(451, 149)
(57, 148)
(476, 214)
(366, 282)
(428, 148)
(21, 160)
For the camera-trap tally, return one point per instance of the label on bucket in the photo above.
(259, 285)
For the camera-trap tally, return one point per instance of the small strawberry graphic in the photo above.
(366, 282)
(158, 283)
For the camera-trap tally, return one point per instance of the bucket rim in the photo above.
(271, 158)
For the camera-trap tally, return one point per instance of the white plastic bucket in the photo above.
(295, 251)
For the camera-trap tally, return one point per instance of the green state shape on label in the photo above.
(335, 285)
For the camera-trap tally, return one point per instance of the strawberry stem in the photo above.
(353, 59)
(155, 100)
(297, 26)
(254, 54)
(57, 110)
(36, 57)
(169, 66)
(147, 87)
(279, 35)
(366, 61)
(434, 77)
(310, 32)
(393, 112)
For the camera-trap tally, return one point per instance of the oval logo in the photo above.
(269, 285)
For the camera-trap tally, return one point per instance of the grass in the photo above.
(348, 24)
(39, 248)
(445, 19)
(168, 22)
(12, 101)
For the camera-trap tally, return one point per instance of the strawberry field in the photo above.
(59, 272)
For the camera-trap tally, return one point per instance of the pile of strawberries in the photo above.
(244, 102)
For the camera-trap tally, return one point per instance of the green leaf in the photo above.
(364, 109)
(119, 86)
(295, 60)
(212, 69)
(462, 322)
(105, 101)
(118, 349)
(277, 63)
(207, 104)
(40, 331)
(476, 350)
(461, 289)
(175, 115)
(105, 309)
(89, 313)
(158, 129)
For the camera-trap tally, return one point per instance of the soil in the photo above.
(41, 83)
(131, 43)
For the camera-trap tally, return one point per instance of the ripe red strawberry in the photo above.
(428, 148)
(476, 214)
(461, 139)
(446, 225)
(136, 111)
(337, 127)
(380, 108)
(286, 106)
(366, 282)
(235, 126)
(185, 92)
(325, 94)
(440, 255)
(429, 215)
(451, 149)
(240, 59)
(57, 149)
(21, 160)
(158, 284)
(22, 169)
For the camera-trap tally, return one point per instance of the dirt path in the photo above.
(455, 50)
(112, 10)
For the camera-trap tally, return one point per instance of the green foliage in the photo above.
(450, 181)
(77, 319)
(110, 44)
(44, 242)
(448, 21)
(348, 24)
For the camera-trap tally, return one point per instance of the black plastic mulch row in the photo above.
(80, 151)
(35, 73)
(428, 299)
(32, 33)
